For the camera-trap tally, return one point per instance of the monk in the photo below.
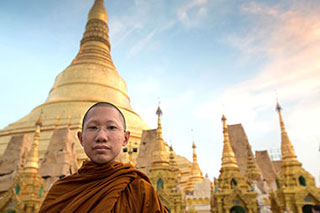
(103, 184)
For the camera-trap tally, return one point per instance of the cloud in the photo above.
(122, 30)
(277, 31)
(192, 13)
(148, 38)
(142, 43)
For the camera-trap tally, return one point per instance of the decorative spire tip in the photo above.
(159, 111)
(193, 145)
(39, 121)
(278, 107)
(223, 118)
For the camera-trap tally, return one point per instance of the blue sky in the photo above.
(200, 58)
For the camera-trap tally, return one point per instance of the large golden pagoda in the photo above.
(296, 189)
(90, 78)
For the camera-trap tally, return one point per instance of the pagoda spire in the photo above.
(98, 11)
(252, 171)
(231, 183)
(195, 166)
(159, 128)
(32, 163)
(29, 181)
(172, 162)
(287, 150)
(292, 181)
(196, 174)
(228, 158)
(95, 44)
(160, 154)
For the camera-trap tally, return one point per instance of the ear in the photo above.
(126, 138)
(79, 134)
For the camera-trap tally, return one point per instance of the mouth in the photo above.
(101, 148)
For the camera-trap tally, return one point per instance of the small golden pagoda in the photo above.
(196, 174)
(90, 78)
(164, 173)
(198, 188)
(27, 191)
(252, 172)
(232, 191)
(296, 190)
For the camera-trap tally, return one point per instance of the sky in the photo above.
(198, 58)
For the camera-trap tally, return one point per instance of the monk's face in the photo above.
(103, 134)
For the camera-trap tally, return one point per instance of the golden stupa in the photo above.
(90, 78)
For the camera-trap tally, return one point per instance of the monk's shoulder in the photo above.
(146, 195)
(141, 183)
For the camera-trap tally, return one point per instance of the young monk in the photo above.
(102, 184)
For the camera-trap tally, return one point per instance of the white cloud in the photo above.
(193, 12)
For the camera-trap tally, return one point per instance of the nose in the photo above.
(102, 135)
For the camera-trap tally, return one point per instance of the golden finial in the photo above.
(223, 118)
(159, 128)
(195, 166)
(287, 150)
(160, 153)
(159, 111)
(278, 107)
(194, 157)
(228, 159)
(98, 11)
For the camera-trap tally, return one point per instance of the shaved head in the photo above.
(104, 104)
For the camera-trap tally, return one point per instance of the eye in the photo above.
(112, 127)
(92, 127)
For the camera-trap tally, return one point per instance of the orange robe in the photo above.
(113, 187)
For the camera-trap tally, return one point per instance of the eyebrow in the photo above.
(107, 122)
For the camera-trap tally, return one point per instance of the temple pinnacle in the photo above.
(287, 150)
(95, 43)
(159, 128)
(194, 152)
(228, 159)
(252, 171)
(98, 11)
(172, 161)
(160, 155)
(32, 163)
(196, 174)
(195, 167)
